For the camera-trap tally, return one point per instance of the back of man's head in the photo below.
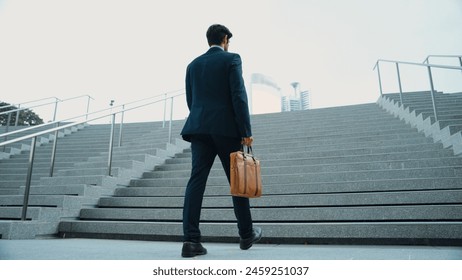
(216, 33)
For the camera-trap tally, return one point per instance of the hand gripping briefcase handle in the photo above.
(245, 174)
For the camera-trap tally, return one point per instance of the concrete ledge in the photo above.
(26, 229)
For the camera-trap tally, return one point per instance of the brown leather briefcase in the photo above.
(245, 174)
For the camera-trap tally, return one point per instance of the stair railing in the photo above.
(56, 102)
(430, 77)
(56, 130)
(28, 102)
(7, 134)
(18, 110)
(427, 59)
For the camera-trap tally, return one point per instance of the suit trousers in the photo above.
(204, 149)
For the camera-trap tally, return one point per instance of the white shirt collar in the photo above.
(217, 46)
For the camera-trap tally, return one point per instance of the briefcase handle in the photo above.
(249, 152)
(249, 149)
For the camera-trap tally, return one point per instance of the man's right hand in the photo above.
(247, 141)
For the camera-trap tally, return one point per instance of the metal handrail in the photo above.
(443, 55)
(33, 101)
(52, 123)
(22, 109)
(419, 64)
(54, 102)
(429, 67)
(57, 123)
(28, 108)
(34, 136)
(5, 135)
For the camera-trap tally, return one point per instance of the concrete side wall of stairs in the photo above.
(417, 111)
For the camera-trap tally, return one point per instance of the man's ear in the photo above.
(225, 40)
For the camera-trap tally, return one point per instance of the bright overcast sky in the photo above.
(128, 50)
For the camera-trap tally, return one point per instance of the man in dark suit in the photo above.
(218, 123)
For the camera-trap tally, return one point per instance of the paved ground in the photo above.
(97, 249)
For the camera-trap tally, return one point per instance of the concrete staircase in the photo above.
(14, 157)
(417, 111)
(23, 146)
(80, 178)
(346, 175)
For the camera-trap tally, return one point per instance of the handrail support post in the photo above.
(56, 110)
(88, 107)
(170, 124)
(7, 130)
(435, 111)
(399, 83)
(111, 146)
(8, 122)
(165, 109)
(16, 122)
(121, 125)
(380, 79)
(53, 153)
(28, 179)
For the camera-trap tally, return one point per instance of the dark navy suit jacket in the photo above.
(216, 96)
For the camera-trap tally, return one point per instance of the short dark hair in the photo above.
(216, 33)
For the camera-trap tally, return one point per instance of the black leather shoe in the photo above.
(248, 242)
(191, 249)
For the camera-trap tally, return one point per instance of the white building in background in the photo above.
(264, 95)
(305, 100)
(296, 101)
(290, 103)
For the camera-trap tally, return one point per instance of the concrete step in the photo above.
(119, 163)
(59, 159)
(407, 160)
(37, 165)
(38, 213)
(427, 233)
(185, 158)
(27, 229)
(332, 130)
(9, 191)
(18, 177)
(347, 149)
(96, 180)
(291, 178)
(299, 200)
(11, 184)
(48, 200)
(276, 167)
(91, 191)
(442, 183)
(308, 214)
(453, 129)
(275, 154)
(297, 142)
(115, 171)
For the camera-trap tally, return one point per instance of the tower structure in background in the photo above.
(296, 101)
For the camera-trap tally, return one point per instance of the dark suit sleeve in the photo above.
(188, 88)
(239, 97)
